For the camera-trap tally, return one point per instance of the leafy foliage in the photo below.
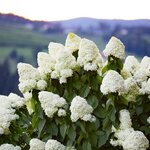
(82, 135)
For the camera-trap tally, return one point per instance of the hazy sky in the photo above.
(65, 9)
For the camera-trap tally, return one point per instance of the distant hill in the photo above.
(86, 22)
(73, 23)
(19, 31)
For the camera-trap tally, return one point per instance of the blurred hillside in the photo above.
(21, 39)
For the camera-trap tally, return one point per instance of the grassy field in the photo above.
(19, 36)
(25, 41)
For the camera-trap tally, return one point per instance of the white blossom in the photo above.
(72, 42)
(89, 56)
(135, 141)
(54, 145)
(27, 85)
(27, 72)
(132, 89)
(126, 136)
(143, 73)
(16, 101)
(145, 87)
(61, 113)
(36, 144)
(28, 77)
(7, 111)
(51, 102)
(27, 96)
(65, 64)
(41, 85)
(112, 83)
(45, 62)
(54, 49)
(145, 64)
(115, 48)
(80, 109)
(140, 76)
(125, 120)
(125, 74)
(9, 147)
(131, 64)
(148, 119)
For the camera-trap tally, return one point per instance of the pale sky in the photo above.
(51, 10)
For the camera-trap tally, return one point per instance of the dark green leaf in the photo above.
(63, 130)
(71, 133)
(41, 126)
(85, 91)
(102, 138)
(93, 101)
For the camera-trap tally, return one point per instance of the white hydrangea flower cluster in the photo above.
(132, 89)
(115, 48)
(65, 64)
(9, 147)
(46, 63)
(15, 100)
(125, 119)
(51, 103)
(143, 73)
(59, 63)
(145, 87)
(126, 136)
(54, 145)
(89, 56)
(7, 111)
(72, 42)
(61, 113)
(80, 109)
(36, 144)
(112, 83)
(131, 65)
(30, 79)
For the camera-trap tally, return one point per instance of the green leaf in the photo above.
(102, 138)
(71, 133)
(81, 136)
(83, 78)
(86, 145)
(41, 126)
(93, 139)
(109, 103)
(63, 130)
(54, 129)
(85, 91)
(82, 126)
(145, 129)
(93, 101)
(34, 121)
(94, 83)
(139, 110)
(105, 68)
(97, 123)
(100, 112)
(106, 123)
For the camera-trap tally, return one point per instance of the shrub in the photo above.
(76, 100)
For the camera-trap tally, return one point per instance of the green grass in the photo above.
(25, 41)
(19, 36)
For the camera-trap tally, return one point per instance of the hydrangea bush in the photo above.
(78, 100)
